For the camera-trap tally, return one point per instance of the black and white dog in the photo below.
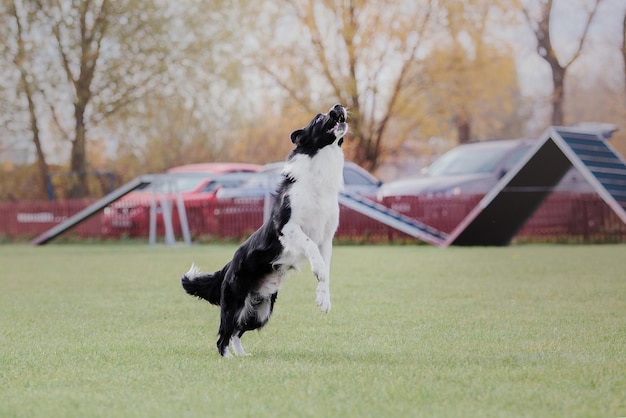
(301, 227)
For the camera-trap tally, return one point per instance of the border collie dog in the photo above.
(301, 227)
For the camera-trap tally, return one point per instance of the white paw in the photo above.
(239, 351)
(227, 353)
(323, 297)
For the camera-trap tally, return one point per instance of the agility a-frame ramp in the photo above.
(513, 200)
(505, 209)
(393, 219)
(160, 181)
(91, 210)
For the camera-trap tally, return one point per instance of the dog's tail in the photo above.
(206, 286)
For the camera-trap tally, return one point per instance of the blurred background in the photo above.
(94, 93)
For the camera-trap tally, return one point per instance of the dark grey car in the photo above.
(474, 169)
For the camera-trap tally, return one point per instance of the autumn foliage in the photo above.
(97, 88)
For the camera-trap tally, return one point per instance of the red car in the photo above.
(196, 184)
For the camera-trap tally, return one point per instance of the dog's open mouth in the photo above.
(338, 120)
(336, 124)
(338, 113)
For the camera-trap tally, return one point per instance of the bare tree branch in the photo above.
(291, 90)
(545, 49)
(583, 36)
(408, 62)
(309, 21)
(19, 60)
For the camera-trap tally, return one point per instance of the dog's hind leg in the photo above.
(222, 346)
(227, 321)
(226, 334)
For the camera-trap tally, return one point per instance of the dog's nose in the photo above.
(337, 112)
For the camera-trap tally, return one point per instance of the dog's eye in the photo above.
(319, 118)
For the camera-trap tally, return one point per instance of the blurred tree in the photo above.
(388, 60)
(101, 66)
(478, 96)
(472, 78)
(539, 20)
(356, 52)
(198, 115)
(168, 134)
(111, 53)
(16, 21)
(265, 138)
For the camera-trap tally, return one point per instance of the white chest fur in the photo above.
(314, 194)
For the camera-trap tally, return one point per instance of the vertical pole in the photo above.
(50, 187)
(153, 207)
(182, 216)
(167, 217)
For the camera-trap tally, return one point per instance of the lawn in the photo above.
(105, 330)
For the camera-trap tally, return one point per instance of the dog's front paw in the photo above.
(319, 270)
(323, 297)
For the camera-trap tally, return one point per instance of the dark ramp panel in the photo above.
(505, 209)
(392, 218)
(90, 210)
(604, 164)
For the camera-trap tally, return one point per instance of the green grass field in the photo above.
(106, 330)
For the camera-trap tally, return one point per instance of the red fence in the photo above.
(25, 220)
(562, 217)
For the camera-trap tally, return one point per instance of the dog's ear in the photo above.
(295, 135)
